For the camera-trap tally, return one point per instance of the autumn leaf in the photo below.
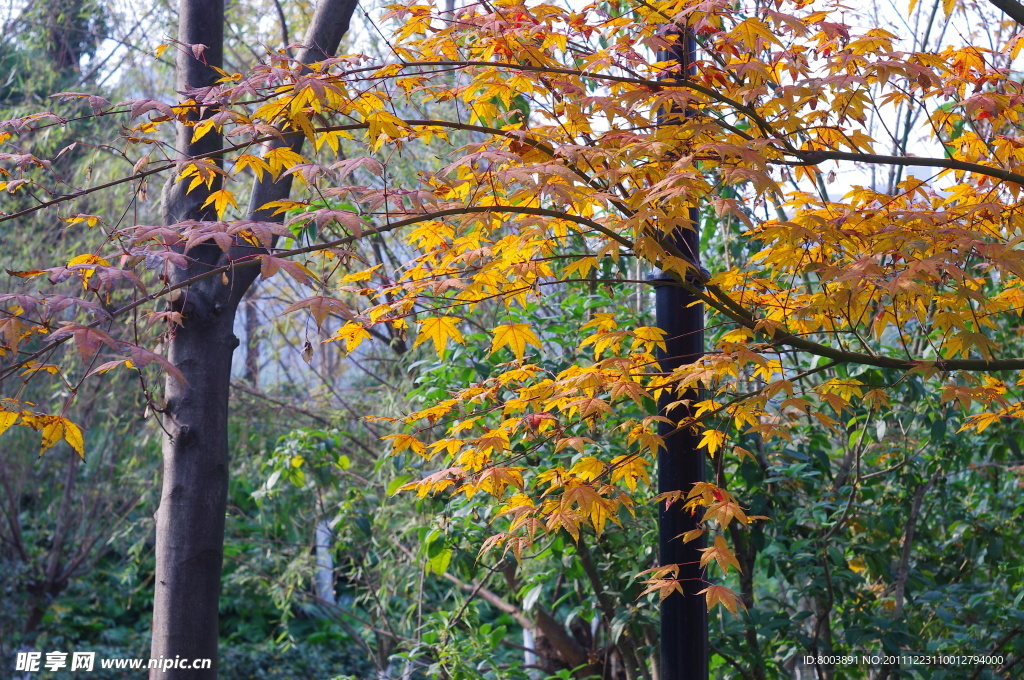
(649, 337)
(141, 106)
(87, 339)
(588, 468)
(724, 511)
(516, 337)
(7, 418)
(538, 422)
(752, 32)
(73, 436)
(281, 158)
(721, 554)
(663, 580)
(401, 442)
(630, 469)
(565, 519)
(254, 163)
(439, 329)
(84, 271)
(271, 265)
(221, 199)
(384, 123)
(55, 428)
(320, 307)
(28, 274)
(202, 128)
(353, 333)
(691, 535)
(722, 596)
(141, 357)
(106, 366)
(202, 171)
(711, 440)
(90, 220)
(35, 366)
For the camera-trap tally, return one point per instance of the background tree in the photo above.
(190, 522)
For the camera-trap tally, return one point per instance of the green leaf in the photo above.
(439, 563)
(532, 596)
(395, 484)
(272, 480)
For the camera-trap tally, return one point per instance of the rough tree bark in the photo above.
(190, 519)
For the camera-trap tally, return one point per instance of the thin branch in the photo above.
(285, 41)
(237, 385)
(908, 538)
(477, 589)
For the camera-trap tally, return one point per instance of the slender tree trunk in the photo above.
(681, 462)
(252, 346)
(190, 519)
(193, 501)
(325, 563)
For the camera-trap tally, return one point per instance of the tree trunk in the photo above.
(325, 563)
(190, 521)
(193, 501)
(681, 462)
(252, 345)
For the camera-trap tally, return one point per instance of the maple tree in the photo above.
(573, 152)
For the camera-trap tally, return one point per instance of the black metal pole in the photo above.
(684, 620)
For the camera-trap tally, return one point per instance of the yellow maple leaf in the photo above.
(725, 512)
(588, 468)
(220, 199)
(723, 596)
(712, 439)
(663, 580)
(440, 329)
(580, 267)
(650, 337)
(401, 442)
(600, 513)
(73, 436)
(383, 122)
(751, 31)
(630, 469)
(282, 158)
(88, 259)
(721, 554)
(257, 164)
(201, 128)
(517, 336)
(352, 333)
(90, 220)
